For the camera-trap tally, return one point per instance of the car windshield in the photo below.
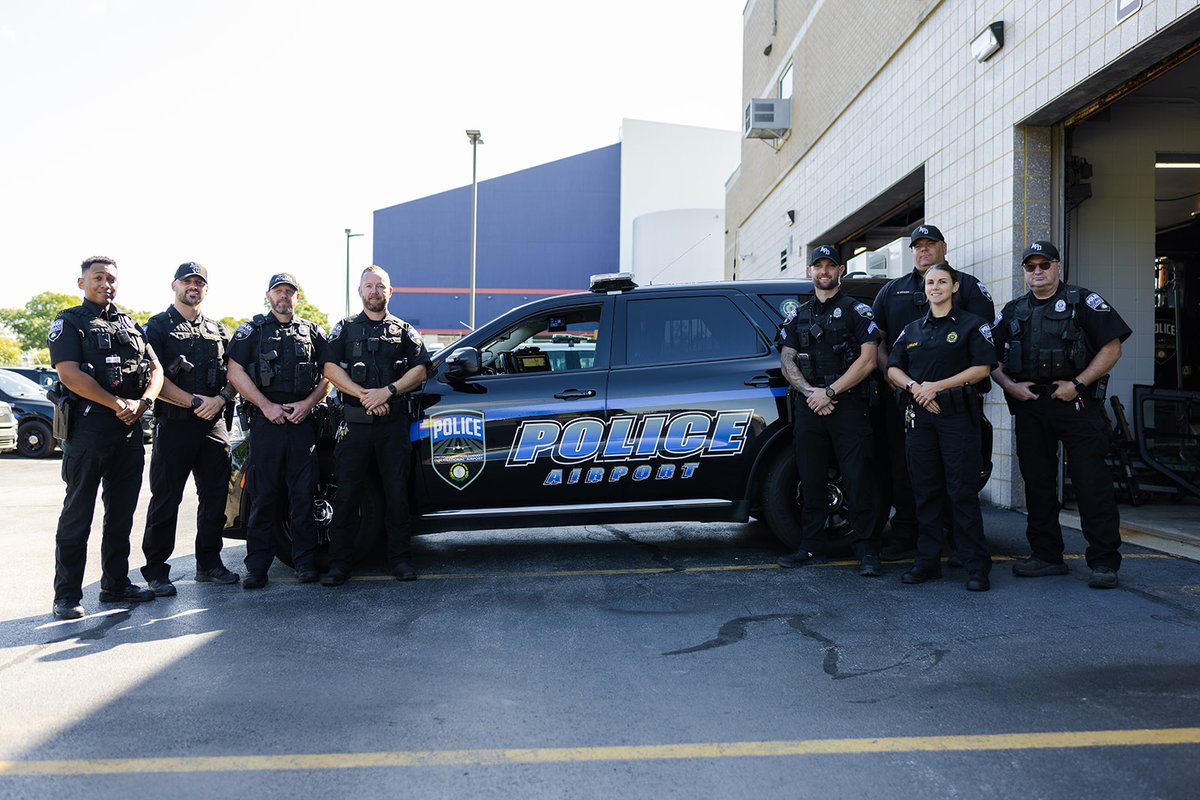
(19, 385)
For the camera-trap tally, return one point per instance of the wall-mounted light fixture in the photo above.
(789, 217)
(987, 42)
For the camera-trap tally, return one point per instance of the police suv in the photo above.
(621, 404)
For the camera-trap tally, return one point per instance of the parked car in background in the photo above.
(33, 411)
(41, 375)
(8, 428)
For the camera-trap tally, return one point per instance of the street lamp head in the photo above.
(475, 136)
(347, 231)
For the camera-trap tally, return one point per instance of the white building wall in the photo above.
(680, 246)
(670, 167)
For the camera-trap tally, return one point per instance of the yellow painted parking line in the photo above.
(581, 573)
(1146, 737)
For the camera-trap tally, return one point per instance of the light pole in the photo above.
(349, 236)
(476, 139)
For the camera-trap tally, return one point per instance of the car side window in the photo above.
(556, 341)
(673, 330)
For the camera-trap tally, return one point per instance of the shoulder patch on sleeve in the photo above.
(864, 311)
(791, 315)
(243, 330)
(1096, 302)
(986, 330)
(336, 332)
(983, 290)
(415, 337)
(56, 329)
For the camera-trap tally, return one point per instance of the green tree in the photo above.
(231, 323)
(311, 313)
(10, 349)
(31, 324)
(140, 317)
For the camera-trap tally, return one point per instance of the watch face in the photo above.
(829, 392)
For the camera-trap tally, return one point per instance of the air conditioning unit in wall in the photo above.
(769, 118)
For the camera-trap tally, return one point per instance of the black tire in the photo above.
(34, 439)
(322, 510)
(782, 501)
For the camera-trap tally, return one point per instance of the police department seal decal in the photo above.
(457, 445)
(789, 309)
(1061, 305)
(952, 336)
(56, 329)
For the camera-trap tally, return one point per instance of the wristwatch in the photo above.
(149, 403)
(908, 386)
(392, 389)
(1079, 385)
(196, 402)
(830, 392)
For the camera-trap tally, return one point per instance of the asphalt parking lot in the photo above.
(652, 660)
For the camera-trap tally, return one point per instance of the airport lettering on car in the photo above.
(629, 437)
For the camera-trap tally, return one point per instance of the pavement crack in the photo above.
(656, 553)
(736, 630)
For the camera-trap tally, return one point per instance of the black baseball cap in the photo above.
(925, 232)
(824, 251)
(1040, 248)
(189, 269)
(283, 277)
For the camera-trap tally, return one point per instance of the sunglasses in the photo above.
(1045, 265)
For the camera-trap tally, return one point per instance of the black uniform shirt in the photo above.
(66, 337)
(896, 304)
(245, 349)
(1099, 322)
(859, 318)
(172, 335)
(412, 351)
(934, 348)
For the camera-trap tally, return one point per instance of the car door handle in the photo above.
(758, 381)
(575, 394)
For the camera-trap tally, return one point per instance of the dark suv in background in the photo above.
(34, 413)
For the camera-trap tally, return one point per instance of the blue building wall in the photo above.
(546, 229)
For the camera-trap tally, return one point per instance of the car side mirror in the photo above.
(463, 363)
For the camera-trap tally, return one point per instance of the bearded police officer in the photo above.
(190, 435)
(274, 363)
(375, 359)
(898, 303)
(111, 377)
(1056, 345)
(829, 350)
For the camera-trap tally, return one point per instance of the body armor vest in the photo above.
(114, 352)
(825, 348)
(1044, 342)
(374, 351)
(286, 355)
(195, 357)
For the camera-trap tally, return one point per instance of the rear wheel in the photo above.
(34, 439)
(322, 515)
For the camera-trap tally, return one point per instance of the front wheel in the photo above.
(782, 501)
(322, 514)
(34, 439)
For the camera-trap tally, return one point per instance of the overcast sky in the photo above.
(248, 135)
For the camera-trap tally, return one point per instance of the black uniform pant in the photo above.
(943, 453)
(1040, 425)
(385, 447)
(183, 447)
(102, 452)
(846, 433)
(904, 521)
(281, 459)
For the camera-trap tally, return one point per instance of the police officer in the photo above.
(190, 435)
(1056, 345)
(898, 303)
(274, 363)
(829, 350)
(938, 359)
(112, 375)
(374, 358)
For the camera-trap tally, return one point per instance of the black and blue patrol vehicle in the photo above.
(620, 404)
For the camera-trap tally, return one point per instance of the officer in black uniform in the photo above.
(938, 359)
(274, 363)
(374, 358)
(1056, 345)
(190, 434)
(898, 303)
(829, 348)
(111, 377)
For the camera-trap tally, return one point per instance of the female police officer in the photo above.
(935, 359)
